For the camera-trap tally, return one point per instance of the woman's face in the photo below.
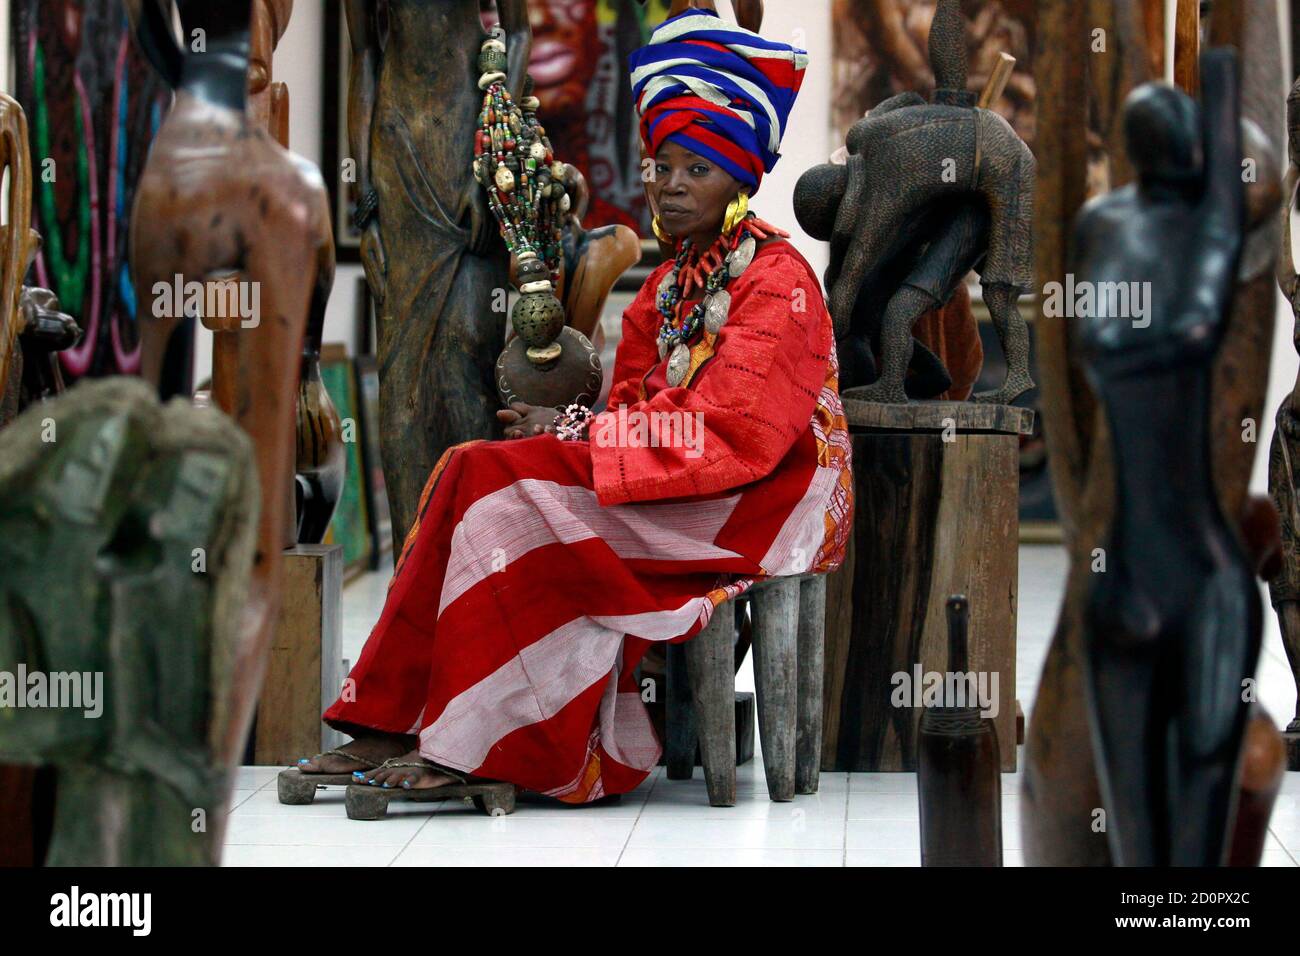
(691, 193)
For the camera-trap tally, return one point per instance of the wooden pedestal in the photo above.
(305, 669)
(936, 514)
(1292, 742)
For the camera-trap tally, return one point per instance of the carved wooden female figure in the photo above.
(1172, 628)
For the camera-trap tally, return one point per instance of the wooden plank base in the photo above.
(365, 802)
(936, 513)
(304, 669)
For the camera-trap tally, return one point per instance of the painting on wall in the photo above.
(376, 492)
(93, 105)
(351, 524)
(880, 50)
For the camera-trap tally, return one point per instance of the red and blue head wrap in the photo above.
(719, 90)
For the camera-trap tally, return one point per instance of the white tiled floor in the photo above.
(855, 819)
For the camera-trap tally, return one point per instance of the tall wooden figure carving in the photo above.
(1172, 629)
(429, 244)
(223, 204)
(1061, 791)
(1284, 453)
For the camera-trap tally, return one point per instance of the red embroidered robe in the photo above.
(539, 571)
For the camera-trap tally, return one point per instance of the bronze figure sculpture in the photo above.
(929, 192)
(429, 243)
(225, 207)
(1284, 452)
(1172, 629)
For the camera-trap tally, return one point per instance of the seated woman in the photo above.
(540, 570)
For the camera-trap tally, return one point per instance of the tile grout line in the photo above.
(844, 855)
(418, 830)
(641, 810)
(1285, 849)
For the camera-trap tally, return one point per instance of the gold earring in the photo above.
(737, 210)
(658, 228)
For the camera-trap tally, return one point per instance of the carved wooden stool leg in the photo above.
(776, 650)
(812, 624)
(679, 716)
(710, 663)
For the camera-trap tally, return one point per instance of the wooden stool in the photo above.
(788, 622)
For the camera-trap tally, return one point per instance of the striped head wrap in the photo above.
(717, 89)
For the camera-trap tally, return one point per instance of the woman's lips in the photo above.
(673, 212)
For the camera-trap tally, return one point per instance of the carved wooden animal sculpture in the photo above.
(221, 203)
(1284, 452)
(1172, 629)
(429, 244)
(102, 604)
(929, 192)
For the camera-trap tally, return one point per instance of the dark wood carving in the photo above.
(1172, 628)
(929, 191)
(429, 242)
(917, 469)
(1284, 452)
(99, 533)
(222, 204)
(1061, 792)
(958, 780)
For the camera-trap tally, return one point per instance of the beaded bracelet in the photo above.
(571, 424)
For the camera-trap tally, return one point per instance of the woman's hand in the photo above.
(522, 420)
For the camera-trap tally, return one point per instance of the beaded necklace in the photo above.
(724, 260)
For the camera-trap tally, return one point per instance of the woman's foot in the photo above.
(370, 751)
(419, 776)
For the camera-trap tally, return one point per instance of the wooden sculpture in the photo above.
(1061, 797)
(20, 243)
(320, 463)
(1284, 452)
(222, 205)
(429, 243)
(958, 780)
(103, 597)
(1172, 629)
(929, 192)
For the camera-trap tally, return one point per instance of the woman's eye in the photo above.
(661, 169)
(699, 169)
